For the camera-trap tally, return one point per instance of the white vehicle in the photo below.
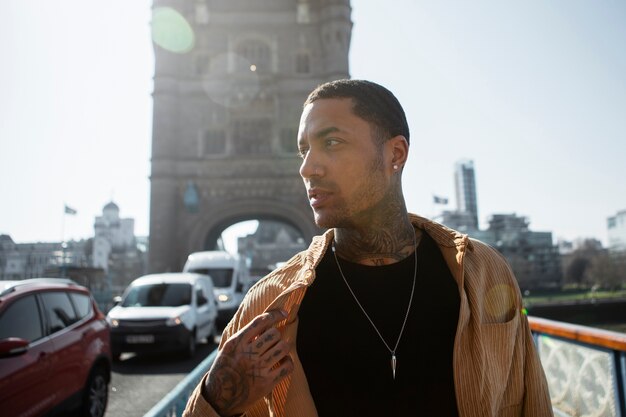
(230, 278)
(164, 312)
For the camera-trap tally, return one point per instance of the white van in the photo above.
(164, 312)
(230, 278)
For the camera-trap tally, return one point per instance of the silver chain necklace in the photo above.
(406, 316)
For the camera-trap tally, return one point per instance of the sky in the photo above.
(533, 91)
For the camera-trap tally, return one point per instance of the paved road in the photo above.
(139, 382)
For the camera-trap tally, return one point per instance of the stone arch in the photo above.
(213, 222)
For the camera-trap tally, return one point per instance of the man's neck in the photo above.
(379, 243)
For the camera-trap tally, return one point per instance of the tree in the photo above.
(576, 270)
(607, 271)
(577, 264)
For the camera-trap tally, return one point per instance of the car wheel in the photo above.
(96, 393)
(190, 351)
(213, 337)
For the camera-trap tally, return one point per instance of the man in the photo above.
(387, 313)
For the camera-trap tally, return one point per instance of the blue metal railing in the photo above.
(585, 368)
(173, 404)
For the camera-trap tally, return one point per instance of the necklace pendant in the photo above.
(393, 364)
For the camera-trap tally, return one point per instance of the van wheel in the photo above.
(190, 350)
(96, 393)
(213, 337)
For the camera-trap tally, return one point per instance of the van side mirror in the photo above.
(117, 300)
(13, 346)
(239, 287)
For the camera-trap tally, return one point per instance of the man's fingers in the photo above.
(266, 341)
(284, 368)
(256, 334)
(263, 322)
(275, 354)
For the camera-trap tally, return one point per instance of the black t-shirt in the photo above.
(348, 367)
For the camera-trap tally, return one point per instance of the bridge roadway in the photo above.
(139, 382)
(584, 368)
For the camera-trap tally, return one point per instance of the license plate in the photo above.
(140, 338)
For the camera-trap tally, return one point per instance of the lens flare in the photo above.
(223, 89)
(500, 301)
(171, 31)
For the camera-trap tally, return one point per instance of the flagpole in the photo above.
(63, 242)
(63, 225)
(66, 210)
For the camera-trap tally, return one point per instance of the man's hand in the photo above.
(249, 365)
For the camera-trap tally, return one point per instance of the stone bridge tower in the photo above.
(230, 79)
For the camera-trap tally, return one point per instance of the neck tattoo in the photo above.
(394, 360)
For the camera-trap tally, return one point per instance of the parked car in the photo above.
(55, 355)
(164, 312)
(230, 275)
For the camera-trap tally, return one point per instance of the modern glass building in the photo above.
(465, 185)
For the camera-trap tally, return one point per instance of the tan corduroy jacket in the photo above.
(497, 372)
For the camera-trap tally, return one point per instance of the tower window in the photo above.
(302, 63)
(252, 136)
(255, 53)
(202, 64)
(303, 15)
(202, 13)
(213, 142)
(288, 140)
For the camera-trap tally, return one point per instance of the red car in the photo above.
(55, 354)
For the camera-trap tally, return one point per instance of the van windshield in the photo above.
(222, 277)
(158, 295)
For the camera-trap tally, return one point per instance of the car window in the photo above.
(221, 277)
(158, 295)
(82, 303)
(200, 297)
(59, 310)
(22, 319)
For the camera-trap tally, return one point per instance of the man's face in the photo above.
(343, 167)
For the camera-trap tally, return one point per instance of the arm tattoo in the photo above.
(228, 387)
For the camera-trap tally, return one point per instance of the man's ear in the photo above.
(398, 150)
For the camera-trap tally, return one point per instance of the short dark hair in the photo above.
(372, 103)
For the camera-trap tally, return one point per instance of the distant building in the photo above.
(32, 260)
(116, 249)
(616, 227)
(105, 264)
(567, 247)
(465, 217)
(462, 221)
(465, 186)
(112, 234)
(272, 242)
(535, 260)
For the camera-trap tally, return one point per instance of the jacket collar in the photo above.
(445, 238)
